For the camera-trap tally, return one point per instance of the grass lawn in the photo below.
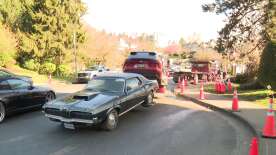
(258, 96)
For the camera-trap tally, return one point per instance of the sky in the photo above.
(169, 20)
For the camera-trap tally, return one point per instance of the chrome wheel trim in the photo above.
(49, 97)
(2, 113)
(112, 119)
(150, 98)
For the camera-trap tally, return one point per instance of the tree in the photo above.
(53, 23)
(267, 73)
(248, 21)
(206, 55)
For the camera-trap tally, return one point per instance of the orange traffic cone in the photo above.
(168, 74)
(195, 79)
(50, 79)
(217, 87)
(254, 147)
(269, 126)
(222, 88)
(179, 82)
(161, 89)
(182, 87)
(229, 84)
(201, 92)
(186, 81)
(235, 104)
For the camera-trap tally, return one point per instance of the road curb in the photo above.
(228, 113)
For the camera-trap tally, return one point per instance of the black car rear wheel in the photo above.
(2, 112)
(49, 97)
(149, 100)
(111, 121)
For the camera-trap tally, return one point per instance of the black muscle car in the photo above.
(6, 73)
(17, 94)
(104, 99)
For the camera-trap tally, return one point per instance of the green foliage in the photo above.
(47, 68)
(44, 28)
(240, 78)
(206, 55)
(267, 70)
(5, 59)
(7, 41)
(64, 70)
(31, 65)
(254, 85)
(245, 21)
(15, 14)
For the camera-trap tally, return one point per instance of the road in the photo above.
(172, 127)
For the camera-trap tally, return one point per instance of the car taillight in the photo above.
(127, 65)
(155, 65)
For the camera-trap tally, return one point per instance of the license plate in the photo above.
(139, 66)
(69, 126)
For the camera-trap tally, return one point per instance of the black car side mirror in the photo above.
(128, 89)
(31, 87)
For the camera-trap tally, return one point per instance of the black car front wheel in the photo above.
(49, 97)
(2, 112)
(149, 100)
(111, 121)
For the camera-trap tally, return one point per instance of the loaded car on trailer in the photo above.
(149, 64)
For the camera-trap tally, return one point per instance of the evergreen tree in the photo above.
(267, 73)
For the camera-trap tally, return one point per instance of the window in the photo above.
(106, 84)
(4, 85)
(18, 84)
(4, 73)
(133, 83)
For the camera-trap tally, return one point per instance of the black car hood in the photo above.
(82, 101)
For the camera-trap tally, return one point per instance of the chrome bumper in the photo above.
(69, 120)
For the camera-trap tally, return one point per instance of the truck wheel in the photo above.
(149, 100)
(111, 121)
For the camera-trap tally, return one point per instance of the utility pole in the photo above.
(74, 39)
(75, 51)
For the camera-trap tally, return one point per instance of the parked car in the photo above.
(90, 73)
(104, 99)
(148, 64)
(5, 73)
(17, 94)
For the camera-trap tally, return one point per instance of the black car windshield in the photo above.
(106, 85)
(5, 73)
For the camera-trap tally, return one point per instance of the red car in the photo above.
(148, 64)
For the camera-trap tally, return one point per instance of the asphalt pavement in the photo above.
(171, 127)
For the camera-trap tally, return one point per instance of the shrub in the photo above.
(5, 59)
(31, 65)
(47, 68)
(251, 86)
(63, 70)
(240, 78)
(267, 69)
